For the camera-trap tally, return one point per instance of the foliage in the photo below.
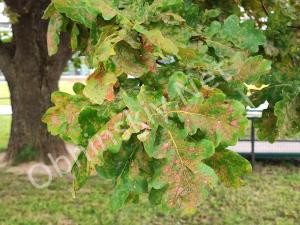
(167, 96)
(282, 29)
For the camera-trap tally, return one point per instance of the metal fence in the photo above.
(252, 148)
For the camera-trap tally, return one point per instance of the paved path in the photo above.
(5, 110)
(266, 147)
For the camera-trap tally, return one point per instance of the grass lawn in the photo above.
(271, 196)
(4, 94)
(4, 131)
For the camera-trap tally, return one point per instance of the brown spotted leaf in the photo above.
(62, 119)
(229, 166)
(53, 35)
(108, 138)
(182, 175)
(85, 11)
(222, 121)
(100, 86)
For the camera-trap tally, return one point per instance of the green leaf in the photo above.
(223, 38)
(266, 126)
(243, 35)
(100, 87)
(176, 84)
(105, 48)
(220, 120)
(78, 88)
(117, 164)
(93, 118)
(288, 116)
(62, 119)
(167, 4)
(120, 195)
(108, 138)
(85, 11)
(156, 38)
(49, 11)
(246, 69)
(156, 195)
(129, 61)
(211, 13)
(80, 171)
(53, 35)
(74, 36)
(229, 166)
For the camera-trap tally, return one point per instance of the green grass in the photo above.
(271, 196)
(4, 94)
(4, 131)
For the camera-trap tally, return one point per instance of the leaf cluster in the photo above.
(166, 99)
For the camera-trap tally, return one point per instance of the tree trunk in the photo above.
(30, 95)
(32, 76)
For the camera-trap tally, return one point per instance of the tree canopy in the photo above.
(168, 95)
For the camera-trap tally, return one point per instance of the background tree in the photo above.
(32, 76)
(280, 20)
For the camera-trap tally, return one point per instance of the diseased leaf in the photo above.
(229, 166)
(171, 83)
(130, 61)
(62, 119)
(246, 69)
(105, 48)
(53, 35)
(80, 171)
(85, 11)
(108, 138)
(220, 120)
(100, 87)
(183, 173)
(156, 38)
(74, 36)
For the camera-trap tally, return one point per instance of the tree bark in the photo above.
(32, 76)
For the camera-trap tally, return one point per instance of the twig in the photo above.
(264, 7)
(295, 26)
(293, 60)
